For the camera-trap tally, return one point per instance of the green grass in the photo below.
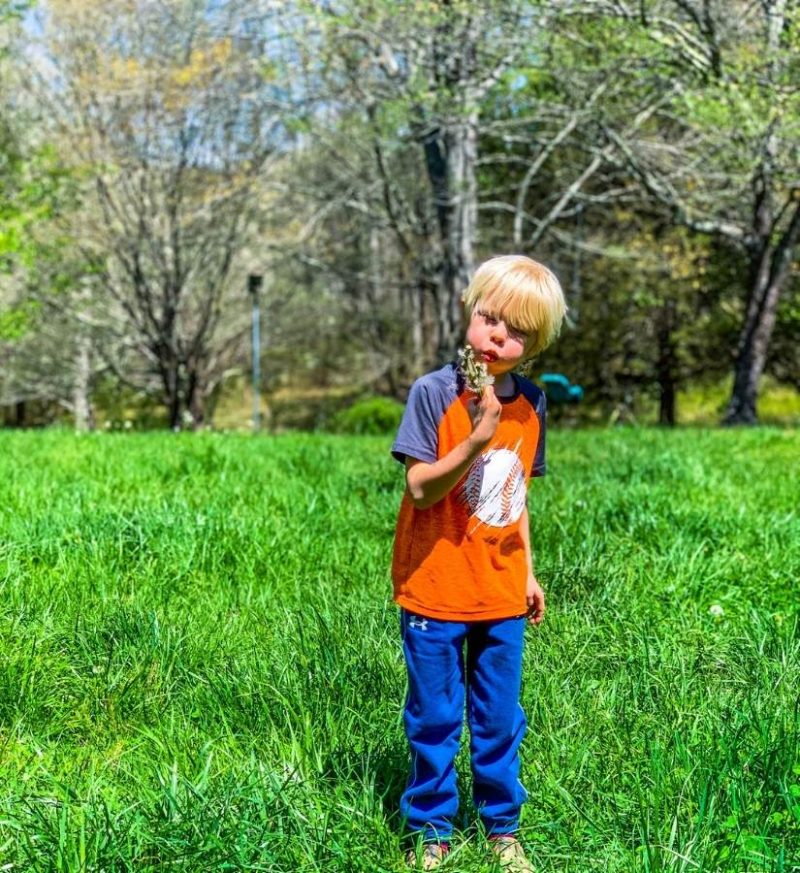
(705, 403)
(200, 666)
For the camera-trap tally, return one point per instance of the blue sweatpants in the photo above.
(446, 661)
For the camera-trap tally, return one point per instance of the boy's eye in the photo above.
(515, 332)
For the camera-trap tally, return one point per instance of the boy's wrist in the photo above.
(476, 444)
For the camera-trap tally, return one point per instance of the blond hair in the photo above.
(525, 294)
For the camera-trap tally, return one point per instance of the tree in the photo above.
(454, 131)
(722, 155)
(166, 110)
(417, 75)
(34, 187)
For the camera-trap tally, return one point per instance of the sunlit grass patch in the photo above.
(200, 665)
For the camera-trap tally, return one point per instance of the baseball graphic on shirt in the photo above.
(495, 488)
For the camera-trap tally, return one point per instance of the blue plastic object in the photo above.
(558, 389)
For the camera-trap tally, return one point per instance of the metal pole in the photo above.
(253, 287)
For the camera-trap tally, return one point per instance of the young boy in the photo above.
(462, 567)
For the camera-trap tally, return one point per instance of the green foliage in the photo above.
(35, 187)
(123, 408)
(371, 416)
(784, 360)
(744, 108)
(16, 321)
(199, 666)
(11, 9)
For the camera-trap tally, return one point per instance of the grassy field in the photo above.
(200, 666)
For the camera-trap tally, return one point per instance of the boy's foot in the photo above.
(430, 856)
(511, 855)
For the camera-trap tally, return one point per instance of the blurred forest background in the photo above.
(362, 156)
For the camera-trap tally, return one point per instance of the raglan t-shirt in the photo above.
(463, 559)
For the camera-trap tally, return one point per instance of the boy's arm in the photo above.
(534, 593)
(428, 483)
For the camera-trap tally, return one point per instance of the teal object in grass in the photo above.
(558, 389)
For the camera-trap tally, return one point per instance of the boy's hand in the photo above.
(485, 414)
(535, 599)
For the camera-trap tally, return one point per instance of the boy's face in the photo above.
(499, 345)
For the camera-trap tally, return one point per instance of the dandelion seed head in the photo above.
(475, 372)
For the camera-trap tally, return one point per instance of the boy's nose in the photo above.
(498, 335)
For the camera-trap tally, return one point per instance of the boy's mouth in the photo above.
(489, 357)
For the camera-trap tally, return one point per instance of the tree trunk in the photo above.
(463, 148)
(666, 365)
(170, 378)
(752, 355)
(450, 159)
(81, 397)
(418, 351)
(195, 399)
(666, 406)
(770, 273)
